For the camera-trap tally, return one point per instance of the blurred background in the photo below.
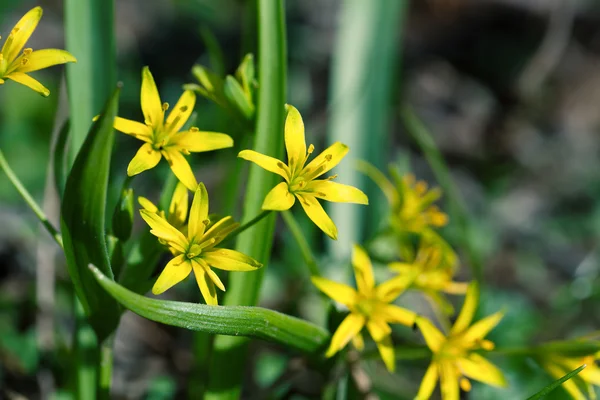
(509, 89)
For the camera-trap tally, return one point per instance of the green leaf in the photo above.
(83, 217)
(211, 83)
(60, 158)
(122, 219)
(545, 391)
(255, 322)
(245, 73)
(237, 98)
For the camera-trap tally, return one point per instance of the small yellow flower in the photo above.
(15, 66)
(300, 179)
(558, 366)
(369, 306)
(455, 357)
(197, 250)
(163, 138)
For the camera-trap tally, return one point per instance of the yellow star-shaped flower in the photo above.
(369, 306)
(301, 179)
(196, 251)
(558, 366)
(454, 356)
(162, 137)
(15, 66)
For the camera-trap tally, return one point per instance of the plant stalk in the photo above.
(296, 231)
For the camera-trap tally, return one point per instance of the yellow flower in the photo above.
(455, 357)
(163, 138)
(178, 208)
(558, 366)
(196, 251)
(369, 306)
(300, 179)
(15, 66)
(431, 272)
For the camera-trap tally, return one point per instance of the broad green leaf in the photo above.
(60, 158)
(254, 322)
(122, 219)
(83, 218)
(545, 391)
(237, 98)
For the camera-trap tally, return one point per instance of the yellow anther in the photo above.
(206, 222)
(27, 51)
(24, 61)
(332, 177)
(165, 106)
(311, 148)
(421, 187)
(465, 384)
(328, 157)
(183, 108)
(280, 165)
(194, 129)
(186, 152)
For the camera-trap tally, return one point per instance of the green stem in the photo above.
(30, 201)
(307, 254)
(105, 373)
(248, 224)
(86, 355)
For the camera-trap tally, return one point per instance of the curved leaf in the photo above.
(82, 221)
(545, 391)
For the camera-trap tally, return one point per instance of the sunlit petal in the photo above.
(175, 271)
(396, 315)
(181, 168)
(178, 208)
(449, 382)
(279, 198)
(133, 128)
(147, 204)
(482, 327)
(145, 159)
(30, 82)
(198, 214)
(181, 112)
(386, 350)
(197, 141)
(428, 383)
(269, 163)
(21, 33)
(163, 230)
(211, 274)
(433, 337)
(317, 214)
(229, 260)
(150, 100)
(478, 368)
(392, 288)
(45, 58)
(326, 160)
(350, 327)
(206, 285)
(337, 291)
(336, 192)
(220, 229)
(363, 270)
(378, 329)
(295, 143)
(468, 310)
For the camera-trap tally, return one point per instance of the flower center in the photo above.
(194, 251)
(367, 306)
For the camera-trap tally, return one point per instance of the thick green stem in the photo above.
(296, 231)
(86, 355)
(30, 201)
(229, 352)
(105, 373)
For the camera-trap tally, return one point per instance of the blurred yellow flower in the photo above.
(558, 366)
(162, 137)
(197, 250)
(178, 208)
(300, 179)
(455, 357)
(369, 306)
(15, 66)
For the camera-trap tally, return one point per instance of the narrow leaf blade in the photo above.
(545, 391)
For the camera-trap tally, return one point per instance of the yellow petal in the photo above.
(28, 81)
(181, 168)
(147, 204)
(482, 327)
(325, 161)
(350, 327)
(337, 291)
(358, 342)
(478, 368)
(428, 383)
(279, 198)
(468, 309)
(178, 208)
(41, 59)
(175, 271)
(199, 141)
(133, 128)
(456, 287)
(389, 290)
(433, 337)
(198, 214)
(229, 260)
(269, 163)
(206, 285)
(20, 33)
(211, 274)
(181, 112)
(220, 229)
(363, 270)
(317, 214)
(165, 231)
(397, 315)
(295, 143)
(386, 350)
(336, 192)
(449, 382)
(150, 99)
(145, 158)
(378, 329)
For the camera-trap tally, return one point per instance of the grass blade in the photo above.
(545, 391)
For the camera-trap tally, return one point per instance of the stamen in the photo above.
(183, 108)
(186, 152)
(465, 384)
(280, 165)
(486, 344)
(206, 222)
(24, 61)
(27, 51)
(194, 129)
(328, 157)
(165, 106)
(332, 177)
(311, 148)
(321, 194)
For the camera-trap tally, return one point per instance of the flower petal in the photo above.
(449, 382)
(211, 274)
(271, 164)
(220, 229)
(206, 285)
(147, 204)
(181, 168)
(478, 368)
(378, 329)
(45, 58)
(145, 158)
(28, 81)
(175, 271)
(482, 327)
(178, 208)
(198, 214)
(325, 161)
(150, 100)
(133, 128)
(229, 260)
(295, 143)
(350, 327)
(468, 309)
(279, 198)
(433, 337)
(337, 291)
(198, 141)
(317, 214)
(358, 342)
(389, 290)
(336, 192)
(386, 350)
(21, 33)
(181, 112)
(165, 231)
(428, 383)
(363, 270)
(397, 315)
